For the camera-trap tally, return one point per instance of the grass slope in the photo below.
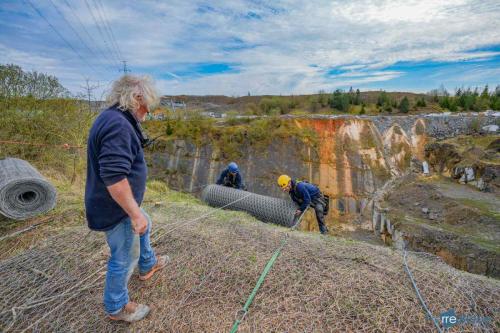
(318, 284)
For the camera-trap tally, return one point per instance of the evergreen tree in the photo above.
(485, 94)
(421, 103)
(357, 98)
(363, 111)
(169, 131)
(382, 98)
(404, 105)
(453, 105)
(444, 102)
(339, 101)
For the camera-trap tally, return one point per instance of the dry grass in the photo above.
(318, 284)
(69, 212)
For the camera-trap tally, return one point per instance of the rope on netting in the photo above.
(73, 292)
(180, 224)
(241, 314)
(417, 291)
(244, 311)
(49, 299)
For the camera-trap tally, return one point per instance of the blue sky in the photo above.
(262, 47)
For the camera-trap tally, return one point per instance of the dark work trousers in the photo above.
(319, 204)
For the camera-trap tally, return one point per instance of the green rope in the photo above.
(243, 312)
(266, 270)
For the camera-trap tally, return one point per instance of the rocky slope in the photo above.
(453, 210)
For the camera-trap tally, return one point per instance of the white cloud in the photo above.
(280, 41)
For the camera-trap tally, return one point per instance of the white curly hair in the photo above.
(128, 88)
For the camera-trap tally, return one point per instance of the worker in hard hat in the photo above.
(231, 177)
(306, 194)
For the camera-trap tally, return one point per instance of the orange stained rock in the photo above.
(418, 139)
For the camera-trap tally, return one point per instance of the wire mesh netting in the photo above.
(24, 192)
(318, 284)
(264, 208)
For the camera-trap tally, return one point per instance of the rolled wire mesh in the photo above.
(264, 208)
(24, 192)
(318, 284)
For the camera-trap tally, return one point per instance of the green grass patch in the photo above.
(471, 233)
(483, 207)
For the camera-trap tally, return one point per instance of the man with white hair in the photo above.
(116, 182)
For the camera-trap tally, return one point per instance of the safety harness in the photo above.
(322, 197)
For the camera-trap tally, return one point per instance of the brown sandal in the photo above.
(161, 262)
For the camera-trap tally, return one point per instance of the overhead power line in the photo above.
(101, 33)
(105, 55)
(125, 69)
(75, 31)
(61, 36)
(108, 27)
(104, 25)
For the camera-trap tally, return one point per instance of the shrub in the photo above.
(404, 105)
(421, 103)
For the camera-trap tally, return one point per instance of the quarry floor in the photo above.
(455, 221)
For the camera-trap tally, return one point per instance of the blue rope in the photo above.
(420, 298)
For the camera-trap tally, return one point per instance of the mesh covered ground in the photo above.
(318, 284)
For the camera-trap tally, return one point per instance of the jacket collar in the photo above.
(145, 141)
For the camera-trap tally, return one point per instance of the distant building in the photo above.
(213, 114)
(158, 114)
(172, 104)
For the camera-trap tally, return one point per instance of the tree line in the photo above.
(467, 99)
(15, 83)
(464, 99)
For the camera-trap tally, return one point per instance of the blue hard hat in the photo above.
(232, 167)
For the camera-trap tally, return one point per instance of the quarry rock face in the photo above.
(349, 161)
(352, 158)
(357, 162)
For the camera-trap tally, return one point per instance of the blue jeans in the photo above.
(127, 248)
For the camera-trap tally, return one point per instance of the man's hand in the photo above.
(139, 223)
(298, 212)
(122, 194)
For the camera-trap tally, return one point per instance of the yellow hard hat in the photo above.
(283, 180)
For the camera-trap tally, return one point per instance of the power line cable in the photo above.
(104, 28)
(98, 47)
(108, 26)
(61, 36)
(109, 49)
(74, 30)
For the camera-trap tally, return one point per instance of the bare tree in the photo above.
(89, 92)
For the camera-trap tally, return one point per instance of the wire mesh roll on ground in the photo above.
(24, 192)
(266, 209)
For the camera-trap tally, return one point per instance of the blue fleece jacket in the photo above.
(114, 152)
(302, 193)
(237, 182)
